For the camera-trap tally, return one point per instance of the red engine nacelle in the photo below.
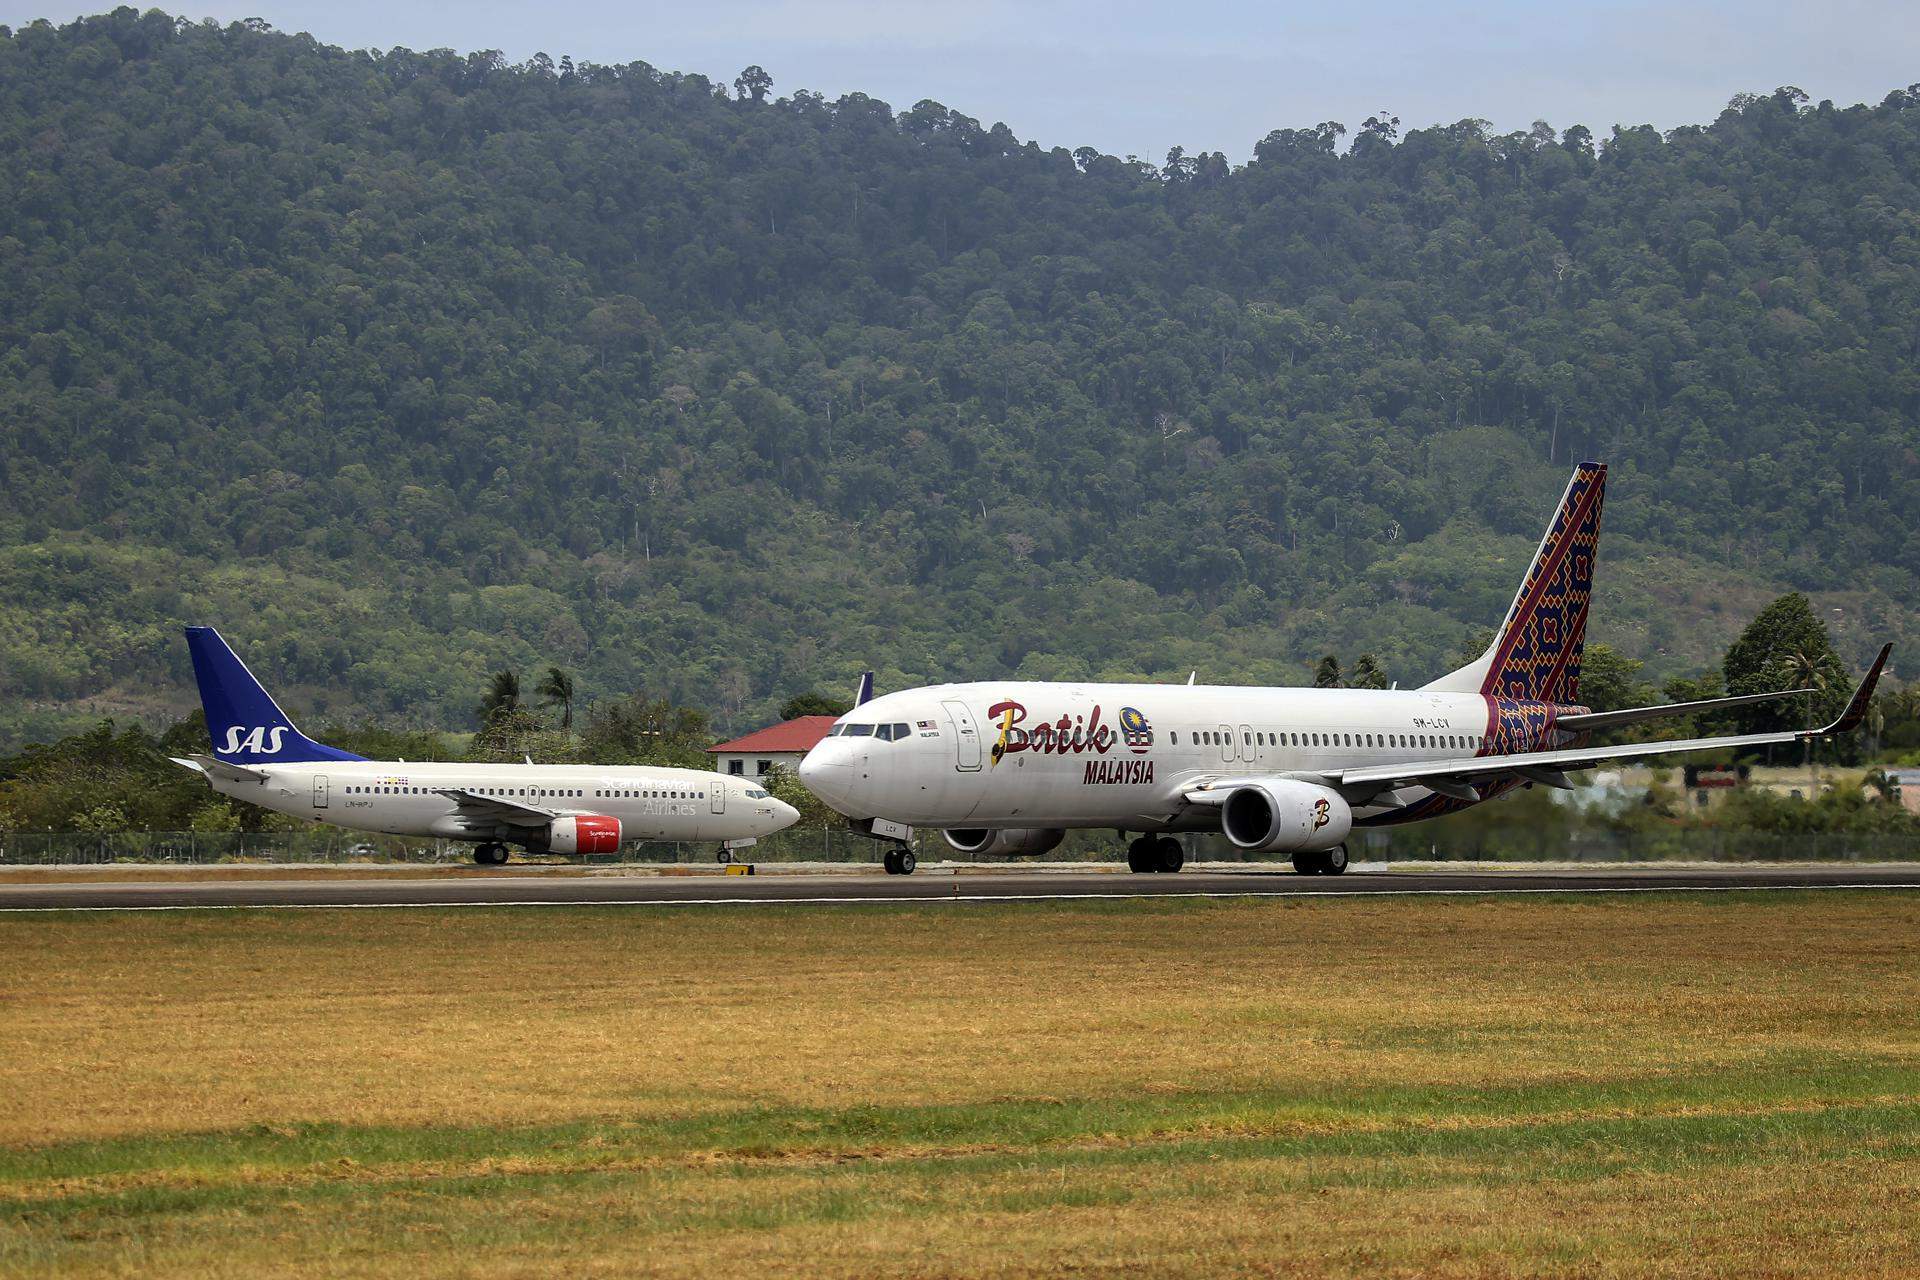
(584, 833)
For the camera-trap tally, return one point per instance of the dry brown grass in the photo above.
(128, 1024)
(1235, 1031)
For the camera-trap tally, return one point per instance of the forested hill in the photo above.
(400, 367)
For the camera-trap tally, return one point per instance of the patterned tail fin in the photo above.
(1536, 655)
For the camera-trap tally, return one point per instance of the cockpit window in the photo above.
(754, 793)
(857, 730)
(902, 730)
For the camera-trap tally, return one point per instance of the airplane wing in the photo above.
(498, 808)
(1590, 720)
(1454, 777)
(216, 768)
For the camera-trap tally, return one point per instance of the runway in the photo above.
(479, 888)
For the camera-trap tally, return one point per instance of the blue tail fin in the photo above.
(864, 693)
(247, 726)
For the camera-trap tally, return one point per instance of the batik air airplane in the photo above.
(1005, 767)
(260, 757)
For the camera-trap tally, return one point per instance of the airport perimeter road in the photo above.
(480, 889)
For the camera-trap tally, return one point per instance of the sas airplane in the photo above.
(260, 757)
(1005, 767)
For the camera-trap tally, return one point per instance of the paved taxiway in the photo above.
(478, 888)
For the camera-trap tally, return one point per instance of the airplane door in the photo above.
(719, 797)
(1246, 742)
(967, 737)
(1227, 750)
(319, 790)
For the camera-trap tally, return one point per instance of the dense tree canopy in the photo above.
(407, 367)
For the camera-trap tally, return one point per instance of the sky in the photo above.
(1136, 78)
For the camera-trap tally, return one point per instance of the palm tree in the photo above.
(556, 690)
(502, 696)
(1802, 669)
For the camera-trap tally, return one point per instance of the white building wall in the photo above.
(752, 765)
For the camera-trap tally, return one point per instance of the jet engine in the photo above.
(1285, 816)
(1008, 842)
(584, 833)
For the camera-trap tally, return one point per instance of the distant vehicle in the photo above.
(1006, 767)
(260, 757)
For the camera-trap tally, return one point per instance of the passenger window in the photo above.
(1174, 737)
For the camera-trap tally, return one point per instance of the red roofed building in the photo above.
(782, 744)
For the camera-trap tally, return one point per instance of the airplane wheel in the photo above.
(891, 861)
(906, 862)
(1140, 855)
(500, 853)
(483, 854)
(1307, 864)
(725, 856)
(1168, 855)
(1334, 861)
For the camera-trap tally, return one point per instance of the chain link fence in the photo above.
(323, 845)
(328, 845)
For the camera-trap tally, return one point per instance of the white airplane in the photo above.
(1006, 767)
(260, 757)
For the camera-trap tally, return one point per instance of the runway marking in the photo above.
(870, 901)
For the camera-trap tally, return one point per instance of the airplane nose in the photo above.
(827, 771)
(784, 815)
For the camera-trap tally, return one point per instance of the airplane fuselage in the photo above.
(407, 799)
(1060, 755)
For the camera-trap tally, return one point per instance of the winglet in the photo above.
(864, 694)
(1857, 706)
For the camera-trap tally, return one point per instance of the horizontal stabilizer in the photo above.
(216, 768)
(1587, 721)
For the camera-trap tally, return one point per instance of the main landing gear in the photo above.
(1332, 862)
(1155, 853)
(492, 854)
(900, 861)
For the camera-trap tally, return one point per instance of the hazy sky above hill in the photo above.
(1130, 77)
